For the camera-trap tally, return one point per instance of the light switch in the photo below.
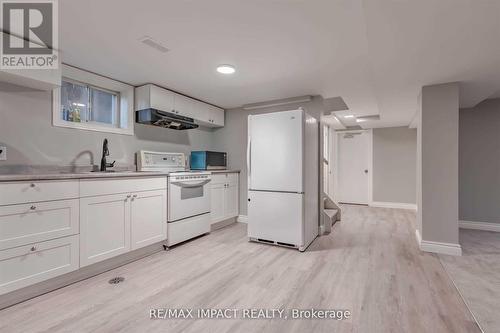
(3, 153)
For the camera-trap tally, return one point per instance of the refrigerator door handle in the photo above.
(249, 164)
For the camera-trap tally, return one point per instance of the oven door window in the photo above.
(191, 192)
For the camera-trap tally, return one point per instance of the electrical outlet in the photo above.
(3, 153)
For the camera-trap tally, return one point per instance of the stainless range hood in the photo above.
(164, 119)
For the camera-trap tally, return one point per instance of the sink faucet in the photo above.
(105, 152)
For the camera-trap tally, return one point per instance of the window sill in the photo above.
(92, 127)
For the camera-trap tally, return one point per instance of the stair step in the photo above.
(331, 213)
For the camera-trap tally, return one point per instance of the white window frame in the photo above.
(125, 101)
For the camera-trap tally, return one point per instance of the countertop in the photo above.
(224, 171)
(87, 175)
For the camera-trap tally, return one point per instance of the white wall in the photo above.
(438, 140)
(394, 165)
(26, 129)
(479, 162)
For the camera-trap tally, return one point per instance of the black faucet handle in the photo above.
(111, 165)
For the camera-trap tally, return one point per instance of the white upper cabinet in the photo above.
(151, 96)
(185, 106)
(215, 116)
(39, 79)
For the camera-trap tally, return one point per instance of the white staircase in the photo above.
(331, 213)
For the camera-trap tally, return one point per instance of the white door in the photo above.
(353, 167)
(148, 218)
(275, 151)
(104, 227)
(217, 202)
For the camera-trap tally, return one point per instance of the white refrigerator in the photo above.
(283, 178)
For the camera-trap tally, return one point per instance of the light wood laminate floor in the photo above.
(477, 275)
(369, 264)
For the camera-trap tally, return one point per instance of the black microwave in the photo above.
(208, 160)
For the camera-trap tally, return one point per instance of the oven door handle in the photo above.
(184, 184)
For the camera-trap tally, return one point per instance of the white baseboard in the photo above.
(486, 226)
(419, 238)
(397, 205)
(438, 247)
(242, 219)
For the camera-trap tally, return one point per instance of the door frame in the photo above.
(335, 162)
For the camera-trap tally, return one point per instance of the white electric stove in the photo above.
(188, 208)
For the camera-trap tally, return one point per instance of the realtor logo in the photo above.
(29, 34)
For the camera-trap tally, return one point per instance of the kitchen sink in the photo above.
(110, 171)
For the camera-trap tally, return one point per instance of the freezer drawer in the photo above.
(276, 216)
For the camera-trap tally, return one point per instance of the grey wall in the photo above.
(233, 138)
(394, 164)
(438, 140)
(479, 162)
(26, 129)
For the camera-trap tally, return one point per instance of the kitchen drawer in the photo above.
(93, 187)
(21, 192)
(225, 178)
(185, 229)
(26, 265)
(219, 178)
(36, 222)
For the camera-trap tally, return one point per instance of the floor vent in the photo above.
(116, 280)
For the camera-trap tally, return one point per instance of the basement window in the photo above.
(83, 103)
(88, 101)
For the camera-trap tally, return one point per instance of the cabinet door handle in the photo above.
(33, 207)
(134, 196)
(32, 185)
(33, 249)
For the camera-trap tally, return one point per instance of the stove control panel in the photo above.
(159, 161)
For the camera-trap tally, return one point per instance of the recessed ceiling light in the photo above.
(226, 69)
(360, 120)
(349, 116)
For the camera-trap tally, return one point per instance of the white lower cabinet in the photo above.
(148, 218)
(111, 225)
(224, 197)
(104, 227)
(231, 197)
(217, 198)
(49, 228)
(29, 264)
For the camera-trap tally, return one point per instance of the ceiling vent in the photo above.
(154, 44)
